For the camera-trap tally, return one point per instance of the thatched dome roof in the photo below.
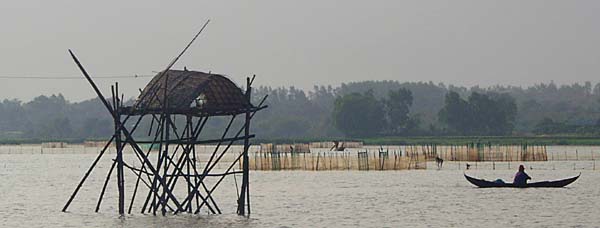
(191, 92)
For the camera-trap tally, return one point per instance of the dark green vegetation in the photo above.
(480, 114)
(380, 112)
(495, 140)
(51, 118)
(359, 115)
(453, 140)
(362, 115)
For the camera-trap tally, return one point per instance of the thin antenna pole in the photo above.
(186, 47)
(162, 73)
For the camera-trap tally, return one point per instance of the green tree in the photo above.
(480, 108)
(503, 115)
(397, 109)
(455, 114)
(481, 114)
(358, 115)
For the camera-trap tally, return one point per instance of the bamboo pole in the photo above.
(87, 174)
(127, 133)
(120, 173)
(112, 167)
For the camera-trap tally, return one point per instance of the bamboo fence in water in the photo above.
(301, 157)
(467, 152)
(489, 152)
(478, 152)
(270, 158)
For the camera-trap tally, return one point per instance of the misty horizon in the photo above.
(129, 96)
(302, 44)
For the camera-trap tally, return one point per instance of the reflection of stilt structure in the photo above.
(175, 181)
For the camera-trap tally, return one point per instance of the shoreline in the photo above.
(387, 140)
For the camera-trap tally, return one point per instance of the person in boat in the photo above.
(521, 177)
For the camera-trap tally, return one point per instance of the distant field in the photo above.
(446, 140)
(457, 140)
(439, 140)
(36, 141)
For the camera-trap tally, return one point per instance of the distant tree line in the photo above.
(480, 114)
(362, 115)
(550, 127)
(357, 109)
(53, 117)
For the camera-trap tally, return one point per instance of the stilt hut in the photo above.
(173, 169)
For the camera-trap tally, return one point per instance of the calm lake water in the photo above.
(35, 187)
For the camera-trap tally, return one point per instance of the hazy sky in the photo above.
(299, 43)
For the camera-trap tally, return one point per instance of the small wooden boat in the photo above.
(542, 184)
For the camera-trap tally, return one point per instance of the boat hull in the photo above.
(542, 184)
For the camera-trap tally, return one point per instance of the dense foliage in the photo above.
(481, 114)
(358, 115)
(54, 117)
(357, 109)
(362, 115)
